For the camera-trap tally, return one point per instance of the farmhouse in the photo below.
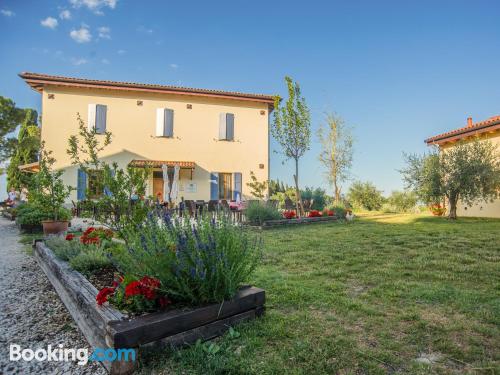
(486, 130)
(216, 137)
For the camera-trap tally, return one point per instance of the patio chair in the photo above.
(213, 205)
(224, 205)
(190, 207)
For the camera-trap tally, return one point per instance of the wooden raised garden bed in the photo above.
(105, 327)
(303, 220)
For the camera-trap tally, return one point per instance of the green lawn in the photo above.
(364, 298)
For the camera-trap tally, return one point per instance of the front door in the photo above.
(225, 184)
(158, 188)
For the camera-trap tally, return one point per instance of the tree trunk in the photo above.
(453, 208)
(337, 192)
(298, 203)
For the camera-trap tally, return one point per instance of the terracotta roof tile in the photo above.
(493, 123)
(37, 81)
(158, 163)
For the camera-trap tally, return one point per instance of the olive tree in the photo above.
(468, 171)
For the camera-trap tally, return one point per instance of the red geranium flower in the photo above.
(103, 294)
(289, 214)
(133, 288)
(314, 213)
(70, 236)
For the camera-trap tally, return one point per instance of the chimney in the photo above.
(469, 122)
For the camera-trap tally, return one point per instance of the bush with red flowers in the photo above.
(315, 213)
(328, 213)
(437, 210)
(69, 237)
(95, 235)
(289, 214)
(134, 295)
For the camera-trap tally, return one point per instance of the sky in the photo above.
(396, 71)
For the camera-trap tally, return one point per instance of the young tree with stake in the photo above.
(292, 129)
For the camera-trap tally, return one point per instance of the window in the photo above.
(95, 184)
(97, 118)
(225, 186)
(165, 122)
(226, 127)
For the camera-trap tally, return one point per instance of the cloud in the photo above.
(82, 35)
(65, 14)
(7, 13)
(106, 61)
(49, 22)
(104, 32)
(121, 52)
(174, 66)
(78, 61)
(95, 6)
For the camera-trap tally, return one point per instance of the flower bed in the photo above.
(302, 220)
(173, 281)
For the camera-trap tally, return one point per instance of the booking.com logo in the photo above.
(62, 354)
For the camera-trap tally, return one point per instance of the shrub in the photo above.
(437, 210)
(33, 214)
(315, 213)
(338, 211)
(257, 213)
(401, 201)
(365, 195)
(89, 260)
(83, 258)
(196, 262)
(317, 195)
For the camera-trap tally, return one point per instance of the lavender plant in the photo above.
(197, 261)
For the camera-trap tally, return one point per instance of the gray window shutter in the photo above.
(168, 130)
(230, 126)
(222, 127)
(237, 186)
(100, 119)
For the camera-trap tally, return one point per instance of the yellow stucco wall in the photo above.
(133, 127)
(481, 209)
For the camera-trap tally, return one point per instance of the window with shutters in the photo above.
(226, 127)
(165, 122)
(97, 114)
(95, 183)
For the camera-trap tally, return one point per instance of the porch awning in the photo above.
(158, 163)
(31, 167)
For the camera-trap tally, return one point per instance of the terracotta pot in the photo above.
(54, 227)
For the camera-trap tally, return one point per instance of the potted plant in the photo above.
(51, 193)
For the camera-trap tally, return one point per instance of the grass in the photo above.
(367, 297)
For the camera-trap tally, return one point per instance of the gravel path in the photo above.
(31, 313)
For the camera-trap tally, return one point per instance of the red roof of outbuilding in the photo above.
(490, 125)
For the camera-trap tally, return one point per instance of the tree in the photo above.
(292, 129)
(10, 117)
(28, 146)
(49, 190)
(468, 171)
(365, 195)
(258, 188)
(115, 208)
(337, 150)
(402, 201)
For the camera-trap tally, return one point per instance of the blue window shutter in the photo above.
(81, 185)
(237, 186)
(222, 127)
(106, 189)
(100, 119)
(168, 130)
(214, 186)
(230, 126)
